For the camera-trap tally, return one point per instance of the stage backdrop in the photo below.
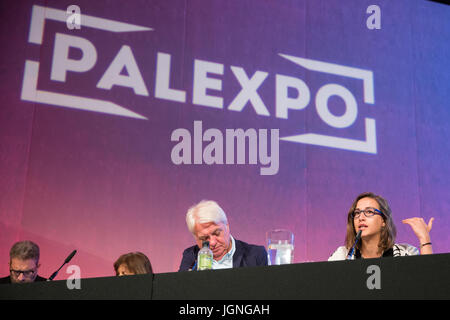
(116, 117)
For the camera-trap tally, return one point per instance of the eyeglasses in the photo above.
(26, 273)
(368, 212)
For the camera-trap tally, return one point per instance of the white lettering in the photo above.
(249, 91)
(61, 62)
(351, 112)
(202, 83)
(247, 309)
(374, 281)
(162, 82)
(74, 20)
(113, 76)
(374, 20)
(284, 102)
(74, 280)
(240, 136)
(207, 311)
(271, 161)
(213, 153)
(181, 152)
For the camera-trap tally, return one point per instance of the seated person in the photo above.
(132, 263)
(372, 215)
(208, 222)
(23, 263)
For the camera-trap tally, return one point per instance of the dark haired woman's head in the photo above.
(371, 214)
(132, 263)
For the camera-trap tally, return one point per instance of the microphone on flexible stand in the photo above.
(352, 250)
(65, 262)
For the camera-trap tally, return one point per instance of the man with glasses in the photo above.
(23, 263)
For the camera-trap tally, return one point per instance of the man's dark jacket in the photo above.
(245, 255)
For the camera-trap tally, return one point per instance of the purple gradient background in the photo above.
(105, 185)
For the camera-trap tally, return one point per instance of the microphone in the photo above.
(65, 262)
(350, 253)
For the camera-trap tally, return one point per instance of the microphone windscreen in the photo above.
(70, 256)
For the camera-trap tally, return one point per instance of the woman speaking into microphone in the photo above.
(370, 217)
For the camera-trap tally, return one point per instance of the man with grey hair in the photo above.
(23, 263)
(208, 222)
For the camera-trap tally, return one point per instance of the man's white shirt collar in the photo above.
(227, 260)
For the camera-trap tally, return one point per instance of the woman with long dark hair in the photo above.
(372, 215)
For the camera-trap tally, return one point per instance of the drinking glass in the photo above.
(280, 247)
